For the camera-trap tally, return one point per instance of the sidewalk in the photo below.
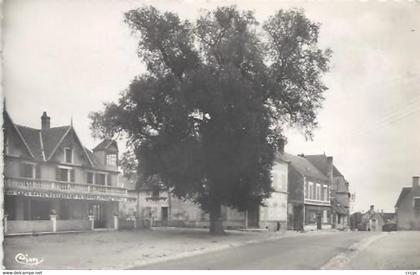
(125, 249)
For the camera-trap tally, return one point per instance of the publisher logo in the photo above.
(26, 260)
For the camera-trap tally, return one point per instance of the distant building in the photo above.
(50, 175)
(340, 195)
(309, 195)
(407, 207)
(372, 220)
(152, 201)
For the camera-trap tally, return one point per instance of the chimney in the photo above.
(416, 181)
(45, 121)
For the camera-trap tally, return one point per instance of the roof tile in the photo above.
(303, 166)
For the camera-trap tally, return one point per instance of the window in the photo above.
(65, 174)
(276, 178)
(100, 179)
(318, 192)
(325, 193)
(111, 159)
(311, 216)
(27, 170)
(109, 180)
(39, 210)
(416, 202)
(311, 190)
(89, 177)
(68, 155)
(155, 193)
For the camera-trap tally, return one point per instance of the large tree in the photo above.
(208, 115)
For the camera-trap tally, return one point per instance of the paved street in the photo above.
(121, 249)
(175, 248)
(312, 252)
(398, 250)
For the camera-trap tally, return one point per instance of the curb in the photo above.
(35, 234)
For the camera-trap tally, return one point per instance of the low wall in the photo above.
(70, 225)
(29, 226)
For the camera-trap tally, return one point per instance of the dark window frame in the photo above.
(66, 155)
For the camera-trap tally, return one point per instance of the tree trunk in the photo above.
(216, 222)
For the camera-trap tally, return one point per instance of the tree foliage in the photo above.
(208, 116)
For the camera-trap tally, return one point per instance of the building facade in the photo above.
(309, 206)
(273, 215)
(50, 175)
(407, 208)
(340, 194)
(154, 203)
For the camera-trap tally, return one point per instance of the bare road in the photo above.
(355, 250)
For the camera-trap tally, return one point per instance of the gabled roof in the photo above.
(8, 120)
(32, 139)
(336, 173)
(51, 138)
(303, 166)
(104, 144)
(403, 193)
(149, 183)
(321, 162)
(43, 143)
(94, 159)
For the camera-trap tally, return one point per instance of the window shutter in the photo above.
(72, 175)
(57, 173)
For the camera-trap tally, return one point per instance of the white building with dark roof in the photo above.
(50, 175)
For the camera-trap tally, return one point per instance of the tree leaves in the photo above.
(209, 114)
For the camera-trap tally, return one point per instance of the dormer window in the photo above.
(111, 159)
(68, 155)
(27, 170)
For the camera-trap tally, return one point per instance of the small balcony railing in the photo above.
(68, 187)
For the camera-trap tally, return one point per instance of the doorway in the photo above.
(165, 216)
(98, 213)
(254, 217)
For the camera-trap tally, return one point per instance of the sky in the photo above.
(69, 57)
